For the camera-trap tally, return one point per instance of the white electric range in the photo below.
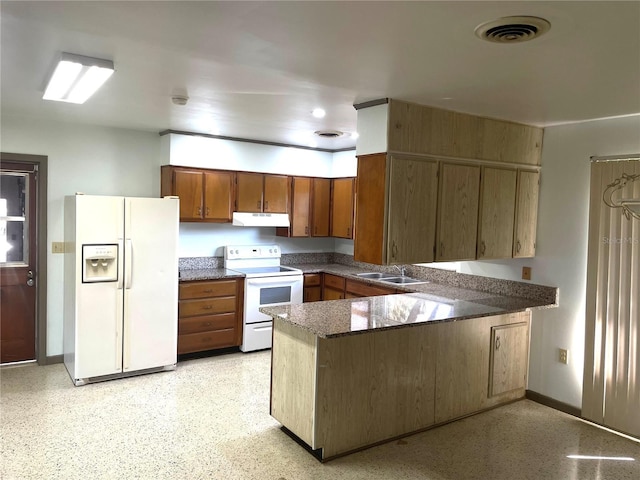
(267, 283)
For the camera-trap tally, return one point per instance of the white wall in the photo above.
(372, 127)
(561, 257)
(93, 160)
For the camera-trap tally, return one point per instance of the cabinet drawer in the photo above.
(206, 323)
(366, 290)
(197, 342)
(207, 306)
(334, 281)
(219, 288)
(311, 279)
(312, 294)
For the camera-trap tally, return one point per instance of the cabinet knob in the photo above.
(483, 248)
(518, 246)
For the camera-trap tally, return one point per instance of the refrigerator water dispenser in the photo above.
(99, 263)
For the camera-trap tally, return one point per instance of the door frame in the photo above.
(41, 161)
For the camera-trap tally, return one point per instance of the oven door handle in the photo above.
(275, 281)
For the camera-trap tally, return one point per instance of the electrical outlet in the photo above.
(563, 356)
(57, 247)
(526, 273)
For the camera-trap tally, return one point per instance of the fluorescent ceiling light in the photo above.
(598, 457)
(77, 77)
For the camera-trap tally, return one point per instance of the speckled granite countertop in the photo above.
(191, 274)
(423, 303)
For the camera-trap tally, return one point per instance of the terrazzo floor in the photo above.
(209, 419)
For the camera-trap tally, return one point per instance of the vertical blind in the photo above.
(611, 389)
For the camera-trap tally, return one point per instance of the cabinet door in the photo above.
(458, 212)
(497, 212)
(276, 194)
(332, 294)
(188, 186)
(342, 207)
(312, 294)
(321, 199)
(509, 346)
(218, 196)
(369, 244)
(301, 192)
(249, 192)
(526, 214)
(413, 196)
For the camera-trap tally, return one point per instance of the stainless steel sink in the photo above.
(402, 280)
(374, 275)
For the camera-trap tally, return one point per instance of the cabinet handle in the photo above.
(394, 250)
(348, 231)
(441, 249)
(266, 205)
(483, 248)
(306, 230)
(199, 211)
(315, 230)
(259, 205)
(497, 343)
(207, 291)
(207, 307)
(207, 211)
(518, 246)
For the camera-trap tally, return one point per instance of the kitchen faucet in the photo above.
(401, 269)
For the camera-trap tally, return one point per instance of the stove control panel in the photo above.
(243, 252)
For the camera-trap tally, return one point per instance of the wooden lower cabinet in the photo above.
(209, 315)
(354, 288)
(399, 381)
(333, 287)
(312, 287)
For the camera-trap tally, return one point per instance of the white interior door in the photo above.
(150, 283)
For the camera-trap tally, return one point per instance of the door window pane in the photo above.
(14, 222)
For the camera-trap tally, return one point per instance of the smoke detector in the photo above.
(513, 29)
(329, 133)
(180, 99)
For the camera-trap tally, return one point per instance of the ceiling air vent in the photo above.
(512, 29)
(329, 133)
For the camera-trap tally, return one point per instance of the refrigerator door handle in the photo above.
(120, 252)
(127, 264)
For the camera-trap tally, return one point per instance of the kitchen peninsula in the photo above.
(348, 374)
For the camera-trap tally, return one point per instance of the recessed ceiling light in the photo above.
(318, 113)
(355, 135)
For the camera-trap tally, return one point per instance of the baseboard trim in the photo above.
(553, 403)
(50, 360)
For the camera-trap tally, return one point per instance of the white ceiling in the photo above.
(257, 69)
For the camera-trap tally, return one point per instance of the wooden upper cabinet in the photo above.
(188, 186)
(258, 192)
(342, 205)
(205, 195)
(422, 129)
(321, 202)
(524, 243)
(371, 201)
(497, 213)
(249, 188)
(276, 194)
(218, 196)
(412, 207)
(300, 206)
(458, 212)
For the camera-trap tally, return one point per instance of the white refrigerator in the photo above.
(120, 286)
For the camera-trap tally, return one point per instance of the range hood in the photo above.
(249, 219)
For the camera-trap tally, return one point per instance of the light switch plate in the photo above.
(57, 247)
